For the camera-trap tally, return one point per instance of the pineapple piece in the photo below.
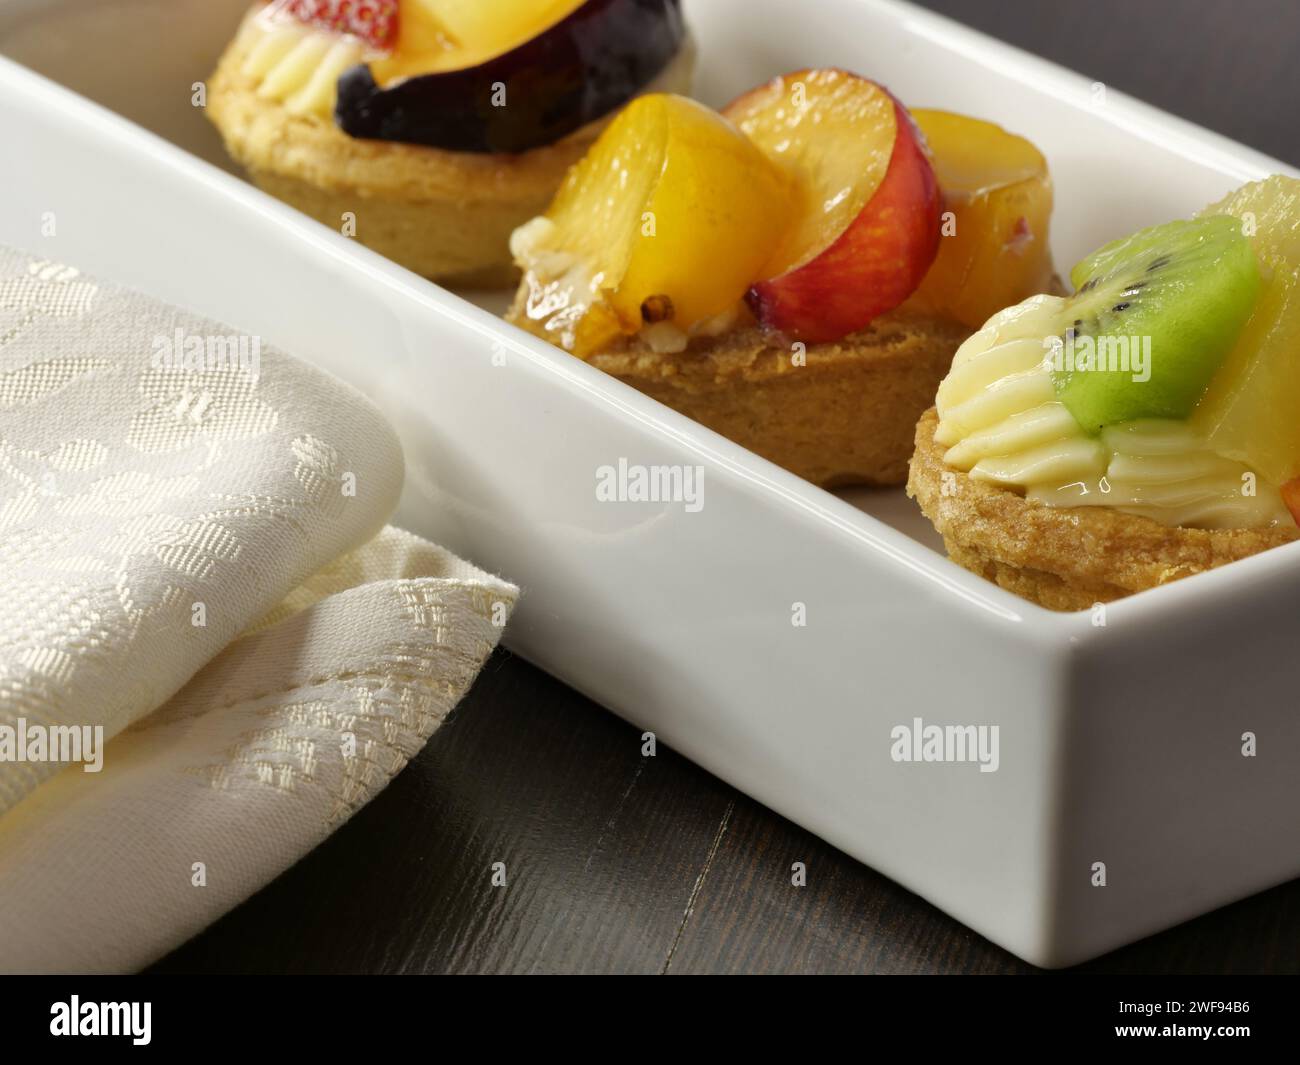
(1249, 410)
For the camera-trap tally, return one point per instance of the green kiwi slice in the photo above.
(1153, 316)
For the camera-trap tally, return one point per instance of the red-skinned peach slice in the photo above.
(874, 258)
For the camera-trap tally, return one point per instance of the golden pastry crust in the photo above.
(445, 215)
(1063, 558)
(844, 417)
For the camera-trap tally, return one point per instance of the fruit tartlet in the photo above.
(794, 272)
(436, 126)
(1142, 430)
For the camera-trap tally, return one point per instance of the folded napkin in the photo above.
(194, 566)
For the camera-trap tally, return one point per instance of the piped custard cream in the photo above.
(1001, 422)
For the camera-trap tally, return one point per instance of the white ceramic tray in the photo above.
(1118, 744)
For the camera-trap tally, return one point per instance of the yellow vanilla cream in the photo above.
(1001, 422)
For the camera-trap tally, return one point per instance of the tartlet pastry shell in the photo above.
(844, 417)
(445, 215)
(1063, 558)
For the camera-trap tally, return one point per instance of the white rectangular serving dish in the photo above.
(1118, 743)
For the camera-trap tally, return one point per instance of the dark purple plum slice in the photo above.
(578, 70)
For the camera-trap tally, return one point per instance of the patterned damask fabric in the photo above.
(189, 558)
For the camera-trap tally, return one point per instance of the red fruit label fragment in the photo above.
(1291, 497)
(374, 21)
(1021, 237)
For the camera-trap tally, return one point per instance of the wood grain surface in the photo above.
(619, 863)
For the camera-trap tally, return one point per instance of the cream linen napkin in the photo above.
(191, 557)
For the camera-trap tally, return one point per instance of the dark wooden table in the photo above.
(617, 863)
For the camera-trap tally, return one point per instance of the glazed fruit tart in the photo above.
(1083, 448)
(435, 126)
(794, 272)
